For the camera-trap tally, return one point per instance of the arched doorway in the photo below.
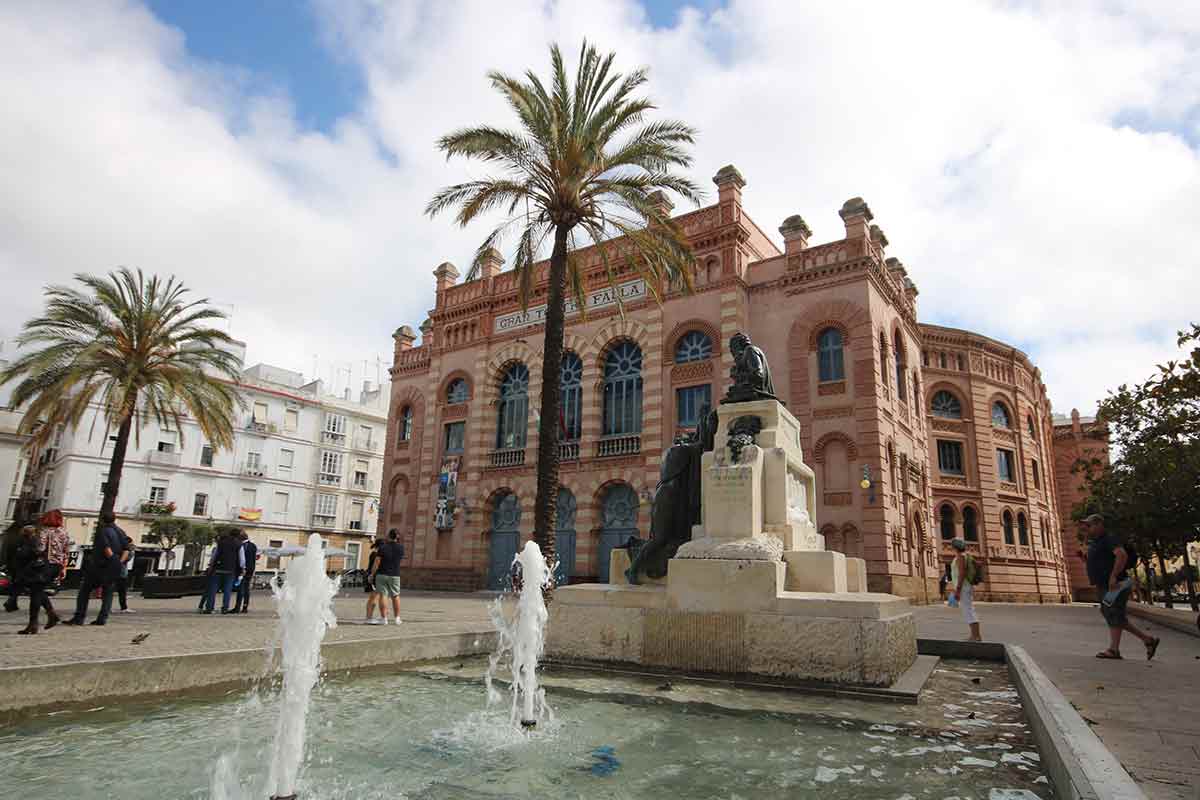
(564, 536)
(506, 535)
(618, 520)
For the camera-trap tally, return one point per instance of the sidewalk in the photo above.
(1147, 713)
(175, 628)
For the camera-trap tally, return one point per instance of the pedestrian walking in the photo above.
(122, 584)
(8, 554)
(374, 598)
(386, 575)
(227, 562)
(32, 573)
(52, 552)
(964, 575)
(944, 581)
(102, 572)
(1108, 560)
(249, 557)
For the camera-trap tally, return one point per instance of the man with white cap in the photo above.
(964, 574)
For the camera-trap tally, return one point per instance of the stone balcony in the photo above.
(615, 446)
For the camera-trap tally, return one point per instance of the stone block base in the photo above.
(816, 571)
(864, 639)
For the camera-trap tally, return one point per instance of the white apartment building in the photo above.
(12, 452)
(302, 461)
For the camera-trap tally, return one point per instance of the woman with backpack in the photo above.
(964, 574)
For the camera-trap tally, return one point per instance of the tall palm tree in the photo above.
(584, 167)
(136, 346)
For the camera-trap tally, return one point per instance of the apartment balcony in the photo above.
(254, 470)
(568, 451)
(323, 521)
(367, 445)
(356, 525)
(367, 486)
(262, 428)
(330, 437)
(164, 459)
(324, 479)
(616, 446)
(514, 457)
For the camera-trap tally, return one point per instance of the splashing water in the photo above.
(305, 607)
(523, 638)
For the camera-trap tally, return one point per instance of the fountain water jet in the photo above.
(305, 607)
(524, 636)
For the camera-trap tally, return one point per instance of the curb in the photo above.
(1183, 623)
(25, 688)
(1080, 766)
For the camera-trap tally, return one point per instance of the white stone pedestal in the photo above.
(754, 592)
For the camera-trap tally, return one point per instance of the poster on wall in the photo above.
(443, 517)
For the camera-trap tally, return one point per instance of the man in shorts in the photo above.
(1107, 560)
(386, 575)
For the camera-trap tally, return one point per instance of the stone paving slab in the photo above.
(1147, 713)
(175, 628)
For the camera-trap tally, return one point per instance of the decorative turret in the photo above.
(796, 234)
(856, 214)
(491, 263)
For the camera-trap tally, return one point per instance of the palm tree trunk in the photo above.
(546, 502)
(1187, 573)
(116, 465)
(1162, 566)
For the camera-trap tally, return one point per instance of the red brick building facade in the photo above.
(838, 322)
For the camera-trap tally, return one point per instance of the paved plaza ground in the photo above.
(1148, 714)
(175, 627)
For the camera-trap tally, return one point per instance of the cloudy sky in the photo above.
(1035, 165)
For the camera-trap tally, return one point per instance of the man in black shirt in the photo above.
(103, 570)
(249, 556)
(386, 574)
(1107, 562)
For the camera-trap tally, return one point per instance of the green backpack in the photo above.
(974, 570)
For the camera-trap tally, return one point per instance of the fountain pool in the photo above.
(422, 734)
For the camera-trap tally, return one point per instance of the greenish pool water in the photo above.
(411, 735)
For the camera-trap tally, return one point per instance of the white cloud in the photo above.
(1025, 160)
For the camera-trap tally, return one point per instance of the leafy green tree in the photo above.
(199, 537)
(1151, 491)
(585, 166)
(169, 532)
(138, 347)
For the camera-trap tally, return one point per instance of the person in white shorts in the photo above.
(962, 573)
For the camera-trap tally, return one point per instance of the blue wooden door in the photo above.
(506, 536)
(618, 518)
(564, 537)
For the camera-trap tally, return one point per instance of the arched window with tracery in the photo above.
(947, 522)
(513, 412)
(404, 429)
(830, 358)
(623, 390)
(1022, 529)
(457, 391)
(693, 346)
(571, 384)
(945, 404)
(1007, 521)
(970, 525)
(1000, 416)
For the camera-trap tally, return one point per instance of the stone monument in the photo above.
(753, 591)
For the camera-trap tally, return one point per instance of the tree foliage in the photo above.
(1151, 490)
(586, 166)
(136, 346)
